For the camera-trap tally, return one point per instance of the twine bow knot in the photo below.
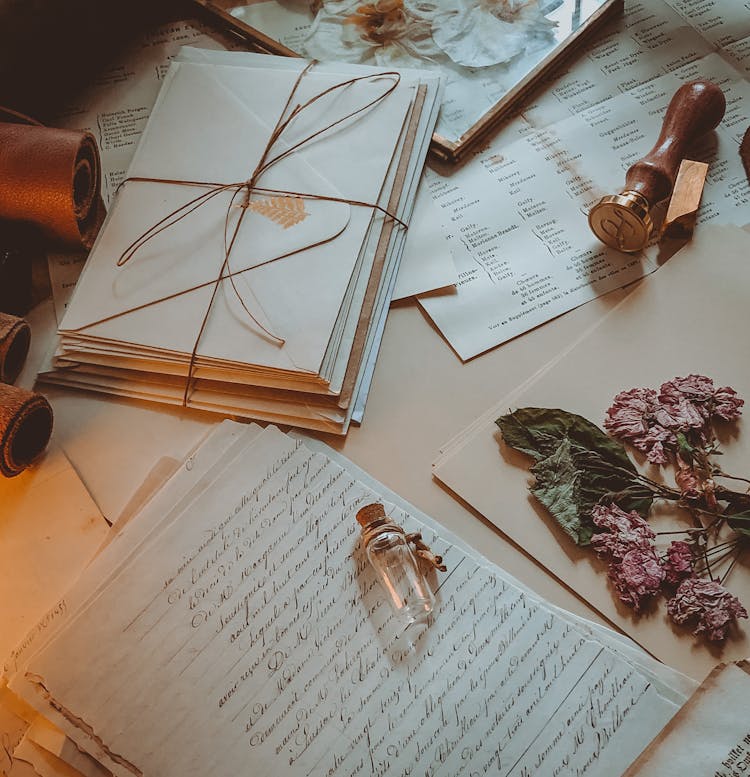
(247, 188)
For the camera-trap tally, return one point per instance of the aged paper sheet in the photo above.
(50, 529)
(260, 632)
(709, 737)
(517, 216)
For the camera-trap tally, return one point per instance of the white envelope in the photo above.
(207, 127)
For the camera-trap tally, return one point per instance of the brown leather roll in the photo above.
(15, 338)
(51, 178)
(25, 428)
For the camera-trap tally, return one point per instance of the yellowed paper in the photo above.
(50, 530)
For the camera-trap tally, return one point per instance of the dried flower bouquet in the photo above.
(592, 488)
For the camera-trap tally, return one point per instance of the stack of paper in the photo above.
(50, 528)
(267, 203)
(234, 625)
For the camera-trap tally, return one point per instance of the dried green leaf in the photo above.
(577, 466)
(537, 431)
(558, 488)
(569, 487)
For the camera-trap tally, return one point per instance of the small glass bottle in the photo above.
(398, 571)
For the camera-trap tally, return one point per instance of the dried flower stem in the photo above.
(721, 474)
(731, 566)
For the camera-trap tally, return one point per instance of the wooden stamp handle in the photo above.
(696, 108)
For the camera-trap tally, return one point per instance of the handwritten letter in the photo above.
(252, 633)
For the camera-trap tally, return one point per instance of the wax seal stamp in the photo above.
(623, 221)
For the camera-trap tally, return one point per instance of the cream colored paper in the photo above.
(242, 687)
(422, 267)
(319, 395)
(15, 718)
(196, 473)
(329, 320)
(427, 263)
(670, 683)
(44, 763)
(709, 737)
(47, 738)
(49, 530)
(650, 337)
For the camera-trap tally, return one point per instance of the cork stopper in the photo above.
(369, 513)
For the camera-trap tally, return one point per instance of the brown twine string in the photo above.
(249, 187)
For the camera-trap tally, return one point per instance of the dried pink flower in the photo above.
(696, 388)
(679, 415)
(621, 533)
(699, 392)
(650, 421)
(679, 562)
(657, 454)
(693, 486)
(637, 577)
(613, 518)
(707, 604)
(726, 403)
(632, 417)
(653, 443)
(631, 414)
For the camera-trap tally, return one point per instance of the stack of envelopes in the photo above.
(246, 264)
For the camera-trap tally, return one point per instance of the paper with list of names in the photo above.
(518, 215)
(249, 621)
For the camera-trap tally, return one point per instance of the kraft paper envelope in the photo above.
(207, 126)
(691, 316)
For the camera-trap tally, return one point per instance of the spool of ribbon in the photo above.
(25, 428)
(52, 179)
(15, 338)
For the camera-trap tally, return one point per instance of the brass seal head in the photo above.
(622, 221)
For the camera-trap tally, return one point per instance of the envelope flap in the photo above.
(190, 252)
